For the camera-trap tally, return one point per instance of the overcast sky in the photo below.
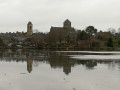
(15, 14)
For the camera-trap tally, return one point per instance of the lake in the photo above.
(59, 70)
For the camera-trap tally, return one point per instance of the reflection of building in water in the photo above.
(61, 62)
(67, 69)
(55, 59)
(29, 65)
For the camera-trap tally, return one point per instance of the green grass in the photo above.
(115, 40)
(104, 47)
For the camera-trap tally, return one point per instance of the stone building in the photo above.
(66, 27)
(59, 34)
(29, 28)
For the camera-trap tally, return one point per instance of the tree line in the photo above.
(88, 38)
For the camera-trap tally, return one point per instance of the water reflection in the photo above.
(29, 65)
(55, 59)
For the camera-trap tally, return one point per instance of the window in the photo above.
(30, 27)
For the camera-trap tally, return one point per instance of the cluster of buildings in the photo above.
(21, 38)
(58, 35)
(17, 38)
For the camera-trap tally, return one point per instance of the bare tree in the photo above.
(36, 31)
(112, 30)
(119, 30)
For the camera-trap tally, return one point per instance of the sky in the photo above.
(15, 14)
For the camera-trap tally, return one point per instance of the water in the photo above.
(42, 70)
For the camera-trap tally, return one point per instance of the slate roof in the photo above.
(29, 22)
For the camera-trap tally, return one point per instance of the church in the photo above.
(60, 34)
(66, 27)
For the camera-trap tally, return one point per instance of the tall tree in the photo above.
(91, 30)
(1, 42)
(112, 30)
(110, 42)
(119, 30)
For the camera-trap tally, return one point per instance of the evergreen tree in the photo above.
(1, 42)
(110, 42)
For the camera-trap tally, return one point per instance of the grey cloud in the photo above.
(46, 13)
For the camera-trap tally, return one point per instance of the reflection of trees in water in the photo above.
(56, 60)
(90, 64)
(35, 63)
(114, 64)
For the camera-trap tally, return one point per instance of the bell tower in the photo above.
(67, 24)
(29, 28)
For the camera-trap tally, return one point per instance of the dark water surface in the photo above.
(42, 70)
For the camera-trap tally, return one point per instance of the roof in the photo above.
(29, 22)
(57, 29)
(67, 21)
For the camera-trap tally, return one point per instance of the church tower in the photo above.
(67, 24)
(29, 28)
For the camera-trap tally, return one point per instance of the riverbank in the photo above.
(67, 48)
